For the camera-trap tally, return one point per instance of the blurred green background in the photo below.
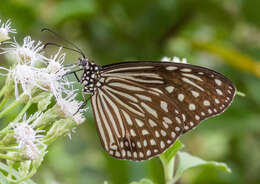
(223, 35)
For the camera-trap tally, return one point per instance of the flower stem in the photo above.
(13, 105)
(169, 171)
(26, 107)
(3, 102)
(7, 157)
(8, 148)
(2, 91)
(4, 132)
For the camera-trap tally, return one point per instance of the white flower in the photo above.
(28, 77)
(5, 29)
(47, 79)
(72, 108)
(29, 53)
(27, 138)
(57, 83)
(174, 59)
(55, 63)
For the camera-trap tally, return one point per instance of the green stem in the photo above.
(3, 102)
(2, 91)
(26, 107)
(4, 132)
(7, 157)
(13, 105)
(8, 148)
(169, 171)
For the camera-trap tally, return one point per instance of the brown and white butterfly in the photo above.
(141, 108)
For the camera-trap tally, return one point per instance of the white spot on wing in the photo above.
(167, 120)
(148, 153)
(192, 76)
(197, 117)
(206, 103)
(152, 123)
(132, 132)
(163, 133)
(218, 82)
(177, 129)
(194, 93)
(169, 89)
(178, 120)
(185, 70)
(180, 97)
(173, 134)
(164, 106)
(139, 122)
(192, 107)
(152, 142)
(171, 68)
(145, 132)
(145, 143)
(157, 133)
(219, 92)
(143, 97)
(162, 144)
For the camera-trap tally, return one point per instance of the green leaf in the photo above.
(187, 161)
(3, 179)
(143, 181)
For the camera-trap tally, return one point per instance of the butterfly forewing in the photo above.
(142, 107)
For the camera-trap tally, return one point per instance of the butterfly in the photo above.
(142, 107)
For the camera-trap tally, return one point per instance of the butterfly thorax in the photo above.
(91, 75)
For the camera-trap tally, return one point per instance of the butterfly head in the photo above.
(84, 63)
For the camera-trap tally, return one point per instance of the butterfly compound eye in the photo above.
(83, 62)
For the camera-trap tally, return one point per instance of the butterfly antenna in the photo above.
(58, 45)
(58, 36)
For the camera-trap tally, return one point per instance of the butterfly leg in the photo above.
(76, 76)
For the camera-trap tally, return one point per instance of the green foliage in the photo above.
(3, 179)
(227, 37)
(187, 161)
(175, 163)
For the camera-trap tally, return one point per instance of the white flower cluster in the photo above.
(28, 77)
(47, 78)
(27, 138)
(174, 59)
(5, 29)
(70, 107)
